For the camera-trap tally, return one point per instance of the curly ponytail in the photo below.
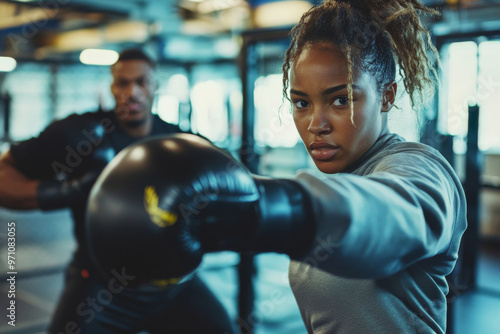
(412, 45)
(373, 35)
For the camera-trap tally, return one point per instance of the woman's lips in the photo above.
(323, 151)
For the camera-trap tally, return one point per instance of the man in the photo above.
(58, 168)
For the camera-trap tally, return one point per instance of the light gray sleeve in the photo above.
(410, 208)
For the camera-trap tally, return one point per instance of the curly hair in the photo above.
(373, 35)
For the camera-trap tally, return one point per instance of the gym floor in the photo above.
(44, 244)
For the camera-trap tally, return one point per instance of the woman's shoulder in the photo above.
(414, 160)
(399, 153)
(411, 149)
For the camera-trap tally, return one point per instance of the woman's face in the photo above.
(321, 110)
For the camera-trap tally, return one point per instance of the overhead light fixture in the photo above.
(210, 6)
(113, 33)
(98, 57)
(279, 13)
(7, 64)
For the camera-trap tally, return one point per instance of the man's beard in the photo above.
(135, 123)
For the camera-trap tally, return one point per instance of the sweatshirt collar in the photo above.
(383, 141)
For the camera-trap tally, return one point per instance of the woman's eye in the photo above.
(341, 101)
(301, 104)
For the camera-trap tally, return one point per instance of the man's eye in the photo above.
(341, 101)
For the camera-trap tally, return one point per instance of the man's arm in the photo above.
(17, 191)
(30, 178)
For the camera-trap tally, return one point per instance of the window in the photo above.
(471, 76)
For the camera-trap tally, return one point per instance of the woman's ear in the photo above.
(389, 96)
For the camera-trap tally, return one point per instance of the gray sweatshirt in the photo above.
(388, 232)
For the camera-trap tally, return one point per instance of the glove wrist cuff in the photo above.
(53, 194)
(286, 220)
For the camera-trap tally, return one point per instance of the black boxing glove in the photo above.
(55, 194)
(164, 202)
(75, 132)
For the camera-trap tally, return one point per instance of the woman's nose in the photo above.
(319, 122)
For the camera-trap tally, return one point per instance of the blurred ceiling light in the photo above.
(209, 6)
(127, 31)
(117, 32)
(7, 64)
(98, 57)
(200, 27)
(280, 13)
(226, 47)
(27, 16)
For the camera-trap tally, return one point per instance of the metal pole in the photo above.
(6, 102)
(246, 267)
(472, 185)
(248, 64)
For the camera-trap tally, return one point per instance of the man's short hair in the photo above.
(135, 54)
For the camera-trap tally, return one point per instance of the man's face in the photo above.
(133, 88)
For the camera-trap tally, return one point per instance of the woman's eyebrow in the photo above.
(331, 90)
(327, 91)
(297, 92)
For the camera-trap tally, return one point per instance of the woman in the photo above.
(397, 208)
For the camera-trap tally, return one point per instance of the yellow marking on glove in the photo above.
(160, 217)
(165, 282)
